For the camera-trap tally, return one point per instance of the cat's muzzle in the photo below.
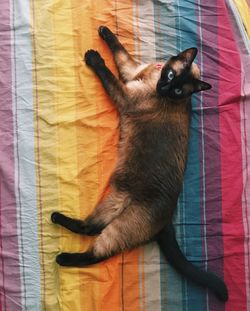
(162, 87)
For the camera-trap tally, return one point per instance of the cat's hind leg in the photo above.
(75, 225)
(126, 65)
(102, 215)
(77, 259)
(130, 229)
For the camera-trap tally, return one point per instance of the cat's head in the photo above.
(180, 76)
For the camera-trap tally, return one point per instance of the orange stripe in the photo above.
(120, 20)
(107, 123)
(97, 138)
(107, 120)
(142, 280)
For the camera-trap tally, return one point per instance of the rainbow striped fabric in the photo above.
(58, 135)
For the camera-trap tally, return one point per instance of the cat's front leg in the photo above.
(125, 63)
(114, 87)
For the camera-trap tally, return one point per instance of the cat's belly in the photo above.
(147, 180)
(152, 158)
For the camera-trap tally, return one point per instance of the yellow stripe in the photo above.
(44, 106)
(54, 81)
(244, 11)
(67, 146)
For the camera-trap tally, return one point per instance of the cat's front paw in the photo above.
(93, 59)
(105, 33)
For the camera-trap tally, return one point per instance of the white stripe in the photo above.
(245, 141)
(25, 174)
(135, 31)
(203, 152)
(20, 251)
(146, 27)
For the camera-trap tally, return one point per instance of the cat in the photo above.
(154, 105)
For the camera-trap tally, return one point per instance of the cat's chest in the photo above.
(145, 81)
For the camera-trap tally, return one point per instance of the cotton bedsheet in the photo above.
(58, 142)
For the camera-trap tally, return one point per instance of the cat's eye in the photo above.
(178, 91)
(170, 75)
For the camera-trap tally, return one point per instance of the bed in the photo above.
(58, 136)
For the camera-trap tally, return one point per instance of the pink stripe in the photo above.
(2, 278)
(9, 265)
(245, 109)
(231, 164)
(246, 141)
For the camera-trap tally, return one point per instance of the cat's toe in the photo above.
(93, 58)
(104, 32)
(55, 217)
(101, 30)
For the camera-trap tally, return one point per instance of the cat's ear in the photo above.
(188, 55)
(201, 86)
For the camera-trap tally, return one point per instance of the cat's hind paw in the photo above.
(55, 217)
(64, 259)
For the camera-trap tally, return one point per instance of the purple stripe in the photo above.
(211, 190)
(9, 267)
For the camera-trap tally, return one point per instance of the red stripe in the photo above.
(231, 163)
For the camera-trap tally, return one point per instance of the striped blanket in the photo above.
(58, 135)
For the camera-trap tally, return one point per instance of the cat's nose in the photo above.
(195, 71)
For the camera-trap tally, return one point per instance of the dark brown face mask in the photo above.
(177, 80)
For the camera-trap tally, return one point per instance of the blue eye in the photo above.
(178, 91)
(170, 75)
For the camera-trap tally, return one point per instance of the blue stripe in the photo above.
(176, 30)
(165, 39)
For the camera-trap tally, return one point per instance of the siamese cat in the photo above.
(154, 105)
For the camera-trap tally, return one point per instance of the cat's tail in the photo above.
(175, 257)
